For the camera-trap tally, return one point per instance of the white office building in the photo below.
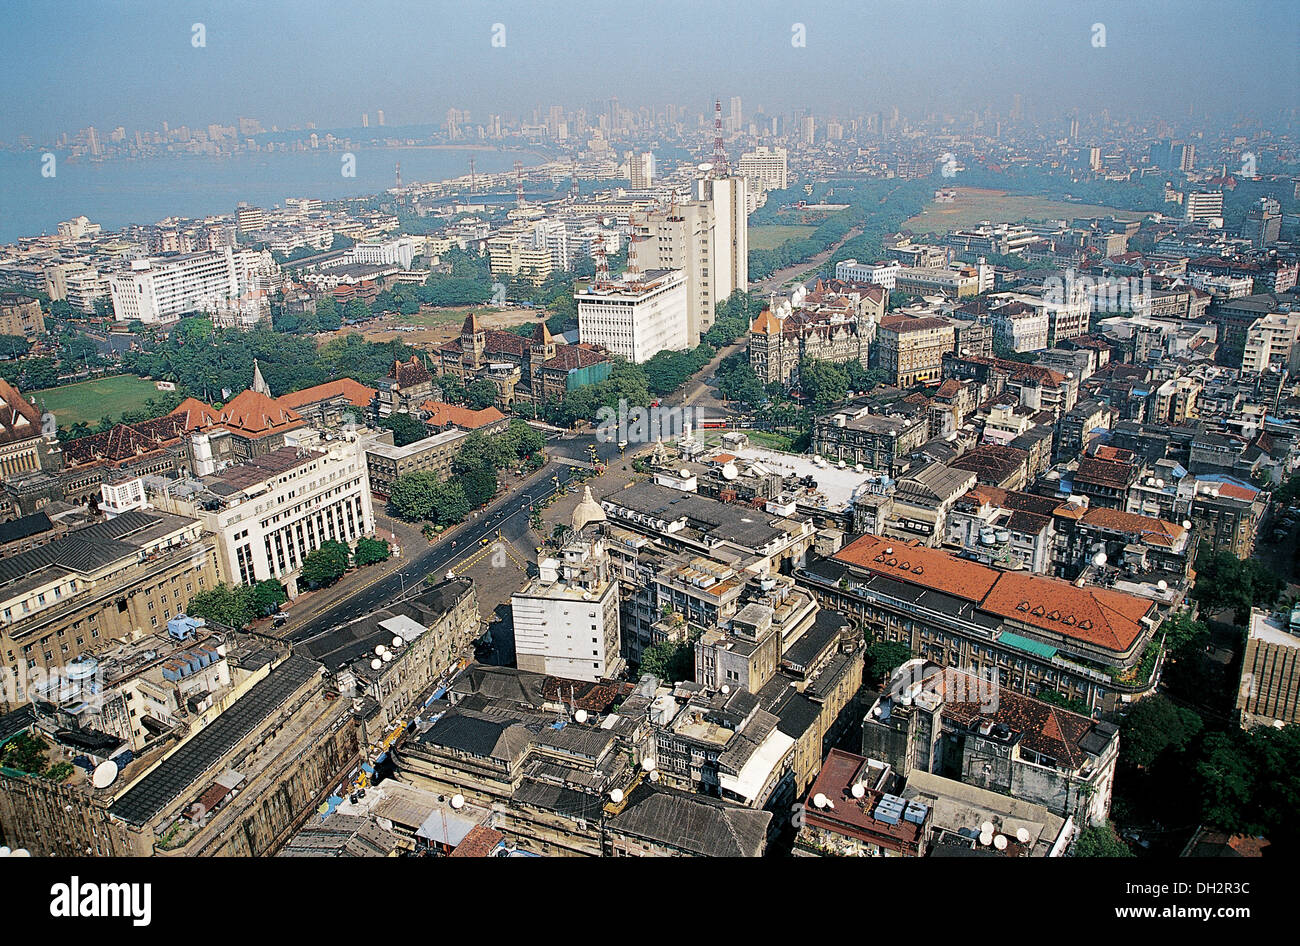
(878, 274)
(230, 282)
(636, 318)
(268, 513)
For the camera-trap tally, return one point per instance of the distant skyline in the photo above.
(73, 64)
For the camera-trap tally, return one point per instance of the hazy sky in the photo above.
(71, 63)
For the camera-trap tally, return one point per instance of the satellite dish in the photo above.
(726, 688)
(21, 852)
(104, 774)
(654, 776)
(1000, 842)
(820, 800)
(379, 650)
(729, 471)
(4, 851)
(1099, 559)
(1162, 585)
(616, 795)
(580, 716)
(986, 827)
(1022, 835)
(648, 764)
(388, 655)
(376, 664)
(1187, 523)
(986, 839)
(705, 167)
(397, 641)
(458, 801)
(685, 474)
(858, 791)
(889, 550)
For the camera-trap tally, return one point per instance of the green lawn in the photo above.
(773, 235)
(975, 204)
(89, 401)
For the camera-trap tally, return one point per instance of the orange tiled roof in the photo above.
(356, 392)
(252, 413)
(442, 415)
(196, 414)
(479, 841)
(938, 570)
(1098, 616)
(1154, 530)
(19, 418)
(766, 324)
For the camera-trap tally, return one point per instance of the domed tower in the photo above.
(587, 510)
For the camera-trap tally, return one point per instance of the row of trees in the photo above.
(206, 362)
(422, 497)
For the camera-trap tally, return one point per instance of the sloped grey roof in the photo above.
(703, 826)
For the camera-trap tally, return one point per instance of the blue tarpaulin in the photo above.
(367, 768)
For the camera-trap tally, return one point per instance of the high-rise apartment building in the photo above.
(766, 168)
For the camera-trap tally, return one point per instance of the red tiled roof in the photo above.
(1153, 530)
(442, 415)
(1098, 616)
(125, 441)
(1106, 618)
(410, 373)
(939, 570)
(357, 394)
(252, 413)
(480, 841)
(195, 413)
(19, 418)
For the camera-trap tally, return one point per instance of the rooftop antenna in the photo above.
(471, 175)
(633, 270)
(602, 263)
(720, 165)
(519, 183)
(573, 183)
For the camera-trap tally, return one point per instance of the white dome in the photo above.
(580, 716)
(458, 801)
(616, 795)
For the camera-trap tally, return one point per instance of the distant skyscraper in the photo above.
(379, 115)
(1074, 129)
(1094, 159)
(365, 119)
(1016, 112)
(807, 129)
(735, 113)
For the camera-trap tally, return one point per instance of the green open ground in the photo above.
(88, 401)
(773, 235)
(975, 204)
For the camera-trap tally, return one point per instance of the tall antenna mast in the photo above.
(471, 175)
(633, 238)
(398, 173)
(721, 168)
(602, 263)
(519, 183)
(573, 183)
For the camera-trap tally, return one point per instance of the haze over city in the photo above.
(687, 430)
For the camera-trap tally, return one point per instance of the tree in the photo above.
(1100, 840)
(1225, 581)
(479, 484)
(327, 564)
(413, 495)
(481, 394)
(25, 753)
(406, 429)
(224, 604)
(371, 552)
(670, 661)
(884, 657)
(1154, 725)
(13, 346)
(824, 383)
(327, 317)
(266, 596)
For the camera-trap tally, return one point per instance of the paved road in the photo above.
(510, 514)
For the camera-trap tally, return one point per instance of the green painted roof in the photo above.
(1026, 645)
